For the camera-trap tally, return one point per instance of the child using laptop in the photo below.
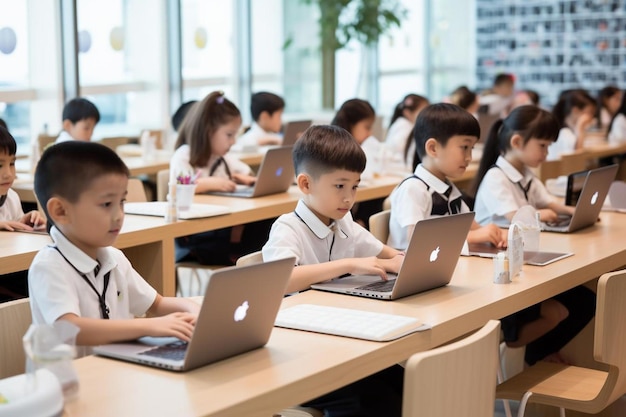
(327, 244)
(80, 117)
(80, 277)
(203, 142)
(444, 136)
(505, 183)
(399, 137)
(267, 112)
(574, 112)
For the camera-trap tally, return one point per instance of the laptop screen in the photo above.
(575, 183)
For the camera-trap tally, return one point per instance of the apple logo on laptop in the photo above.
(434, 254)
(594, 198)
(279, 171)
(241, 311)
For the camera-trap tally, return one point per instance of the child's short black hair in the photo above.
(67, 169)
(504, 78)
(78, 109)
(4, 124)
(322, 149)
(352, 112)
(7, 142)
(180, 113)
(442, 121)
(264, 101)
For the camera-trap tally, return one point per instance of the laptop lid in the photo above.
(275, 175)
(590, 201)
(575, 183)
(293, 130)
(237, 315)
(429, 261)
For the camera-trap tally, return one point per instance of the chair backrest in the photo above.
(610, 333)
(163, 179)
(15, 318)
(251, 258)
(458, 379)
(549, 169)
(379, 225)
(136, 192)
(574, 162)
(157, 134)
(43, 141)
(114, 142)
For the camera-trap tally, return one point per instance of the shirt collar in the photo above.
(512, 173)
(79, 259)
(432, 181)
(317, 226)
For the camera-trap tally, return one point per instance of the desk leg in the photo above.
(155, 263)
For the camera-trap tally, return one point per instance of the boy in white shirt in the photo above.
(80, 278)
(444, 135)
(80, 117)
(267, 112)
(327, 244)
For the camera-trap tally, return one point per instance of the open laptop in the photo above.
(574, 186)
(275, 175)
(159, 208)
(536, 258)
(429, 262)
(293, 130)
(237, 315)
(590, 201)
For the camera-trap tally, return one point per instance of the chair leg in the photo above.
(522, 404)
(561, 412)
(505, 402)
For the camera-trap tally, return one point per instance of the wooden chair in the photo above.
(163, 178)
(251, 258)
(458, 379)
(136, 192)
(549, 169)
(379, 225)
(576, 388)
(574, 162)
(43, 141)
(15, 318)
(157, 134)
(114, 142)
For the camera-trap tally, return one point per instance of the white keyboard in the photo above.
(347, 322)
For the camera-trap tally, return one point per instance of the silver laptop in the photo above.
(237, 315)
(293, 131)
(536, 258)
(589, 204)
(159, 208)
(275, 175)
(429, 262)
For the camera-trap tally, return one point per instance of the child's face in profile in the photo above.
(452, 160)
(95, 220)
(274, 122)
(534, 152)
(7, 172)
(362, 130)
(224, 137)
(81, 130)
(331, 196)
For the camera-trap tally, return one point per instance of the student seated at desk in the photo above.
(609, 101)
(574, 112)
(81, 279)
(180, 113)
(206, 135)
(267, 112)
(12, 217)
(444, 136)
(399, 137)
(617, 126)
(505, 183)
(80, 117)
(327, 244)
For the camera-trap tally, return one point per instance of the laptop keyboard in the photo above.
(174, 351)
(347, 322)
(379, 286)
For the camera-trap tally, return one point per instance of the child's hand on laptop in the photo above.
(488, 234)
(13, 226)
(215, 184)
(244, 179)
(548, 215)
(34, 219)
(178, 325)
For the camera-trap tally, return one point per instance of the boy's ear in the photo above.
(431, 146)
(57, 210)
(517, 141)
(304, 182)
(263, 116)
(67, 124)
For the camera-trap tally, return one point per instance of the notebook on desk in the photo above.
(237, 315)
(293, 130)
(275, 175)
(429, 262)
(159, 208)
(589, 203)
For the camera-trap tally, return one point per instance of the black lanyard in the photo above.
(104, 310)
(525, 189)
(216, 165)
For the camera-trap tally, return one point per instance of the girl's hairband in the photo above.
(220, 98)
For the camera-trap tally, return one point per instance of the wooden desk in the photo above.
(297, 366)
(149, 241)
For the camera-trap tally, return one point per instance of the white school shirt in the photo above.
(303, 235)
(56, 288)
(397, 135)
(256, 133)
(63, 137)
(179, 164)
(372, 149)
(412, 201)
(11, 210)
(565, 143)
(501, 192)
(618, 130)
